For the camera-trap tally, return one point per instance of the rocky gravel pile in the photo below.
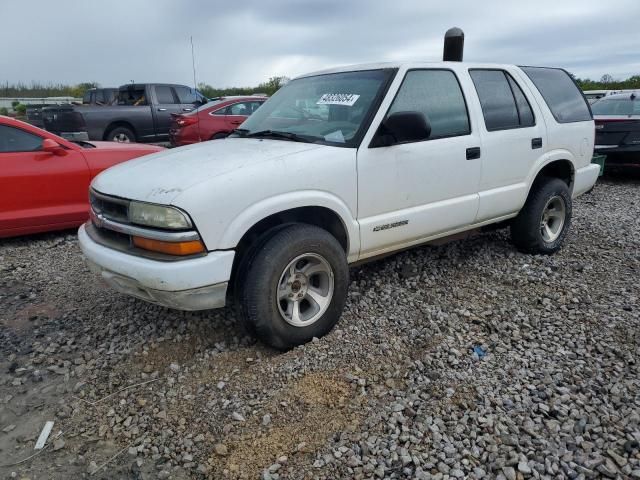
(467, 360)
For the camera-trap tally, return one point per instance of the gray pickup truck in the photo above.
(142, 113)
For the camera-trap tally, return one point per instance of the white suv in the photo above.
(341, 166)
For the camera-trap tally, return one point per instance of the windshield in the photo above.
(616, 106)
(332, 109)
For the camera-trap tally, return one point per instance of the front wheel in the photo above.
(543, 223)
(295, 287)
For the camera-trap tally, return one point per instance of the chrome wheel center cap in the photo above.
(298, 286)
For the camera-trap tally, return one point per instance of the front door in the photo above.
(39, 188)
(411, 191)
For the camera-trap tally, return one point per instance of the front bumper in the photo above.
(585, 178)
(190, 284)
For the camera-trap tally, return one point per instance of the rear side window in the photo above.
(16, 140)
(436, 94)
(245, 108)
(504, 105)
(560, 93)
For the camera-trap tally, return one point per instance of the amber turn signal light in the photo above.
(170, 248)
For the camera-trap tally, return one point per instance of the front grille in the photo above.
(115, 209)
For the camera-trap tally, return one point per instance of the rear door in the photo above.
(166, 104)
(513, 139)
(38, 188)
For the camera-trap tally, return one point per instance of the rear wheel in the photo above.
(543, 223)
(295, 287)
(121, 135)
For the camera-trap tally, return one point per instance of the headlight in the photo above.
(157, 216)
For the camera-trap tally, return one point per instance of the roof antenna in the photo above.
(453, 45)
(195, 87)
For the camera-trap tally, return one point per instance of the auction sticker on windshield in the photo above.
(346, 99)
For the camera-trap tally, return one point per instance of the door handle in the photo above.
(473, 153)
(187, 109)
(162, 109)
(236, 122)
(536, 143)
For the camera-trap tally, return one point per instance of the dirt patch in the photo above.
(317, 405)
(161, 355)
(29, 313)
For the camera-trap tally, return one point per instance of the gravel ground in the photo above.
(467, 360)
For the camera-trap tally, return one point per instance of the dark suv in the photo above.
(617, 120)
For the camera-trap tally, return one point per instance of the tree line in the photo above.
(41, 90)
(607, 82)
(38, 90)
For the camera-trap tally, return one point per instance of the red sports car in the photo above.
(44, 179)
(214, 120)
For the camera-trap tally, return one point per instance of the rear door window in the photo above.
(525, 113)
(497, 101)
(564, 99)
(244, 108)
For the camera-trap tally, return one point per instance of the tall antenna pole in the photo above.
(195, 85)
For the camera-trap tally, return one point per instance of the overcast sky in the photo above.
(245, 42)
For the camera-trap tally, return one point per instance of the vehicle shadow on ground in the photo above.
(615, 174)
(27, 240)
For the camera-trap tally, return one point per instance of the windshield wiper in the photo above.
(276, 134)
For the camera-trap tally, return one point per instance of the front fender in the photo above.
(276, 204)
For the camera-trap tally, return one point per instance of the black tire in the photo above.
(243, 267)
(526, 229)
(257, 294)
(119, 134)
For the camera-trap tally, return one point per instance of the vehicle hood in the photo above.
(161, 177)
(130, 147)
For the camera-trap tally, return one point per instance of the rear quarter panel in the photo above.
(572, 141)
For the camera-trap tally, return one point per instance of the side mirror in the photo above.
(53, 147)
(402, 127)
